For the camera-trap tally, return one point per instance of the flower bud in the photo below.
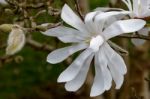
(16, 40)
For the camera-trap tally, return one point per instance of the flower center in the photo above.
(96, 42)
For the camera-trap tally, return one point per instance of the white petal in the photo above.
(136, 4)
(108, 17)
(72, 71)
(78, 81)
(117, 77)
(106, 73)
(72, 19)
(102, 16)
(145, 13)
(138, 42)
(116, 66)
(145, 3)
(71, 39)
(89, 22)
(116, 60)
(62, 31)
(104, 9)
(124, 26)
(98, 86)
(61, 54)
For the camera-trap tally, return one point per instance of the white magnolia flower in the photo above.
(91, 36)
(16, 40)
(139, 9)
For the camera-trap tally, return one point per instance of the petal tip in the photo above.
(94, 94)
(68, 88)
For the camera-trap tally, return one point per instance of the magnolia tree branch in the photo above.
(138, 36)
(78, 9)
(39, 46)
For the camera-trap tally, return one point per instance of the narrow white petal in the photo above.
(72, 19)
(72, 71)
(124, 26)
(98, 86)
(116, 60)
(61, 54)
(116, 65)
(102, 16)
(106, 73)
(117, 77)
(89, 22)
(71, 39)
(62, 31)
(103, 19)
(107, 78)
(136, 9)
(78, 81)
(104, 9)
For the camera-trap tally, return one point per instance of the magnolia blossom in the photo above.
(16, 40)
(139, 9)
(91, 36)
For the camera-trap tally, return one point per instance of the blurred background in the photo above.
(27, 75)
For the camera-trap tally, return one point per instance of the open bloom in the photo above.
(139, 9)
(91, 35)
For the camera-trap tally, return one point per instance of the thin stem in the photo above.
(78, 9)
(135, 36)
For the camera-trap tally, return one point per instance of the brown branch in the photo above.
(138, 36)
(39, 46)
(40, 28)
(78, 9)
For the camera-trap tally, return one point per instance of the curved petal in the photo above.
(106, 15)
(72, 19)
(78, 81)
(61, 54)
(72, 71)
(106, 73)
(116, 66)
(62, 31)
(124, 26)
(106, 9)
(89, 22)
(103, 19)
(98, 86)
(117, 77)
(71, 39)
(136, 8)
(138, 42)
(116, 60)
